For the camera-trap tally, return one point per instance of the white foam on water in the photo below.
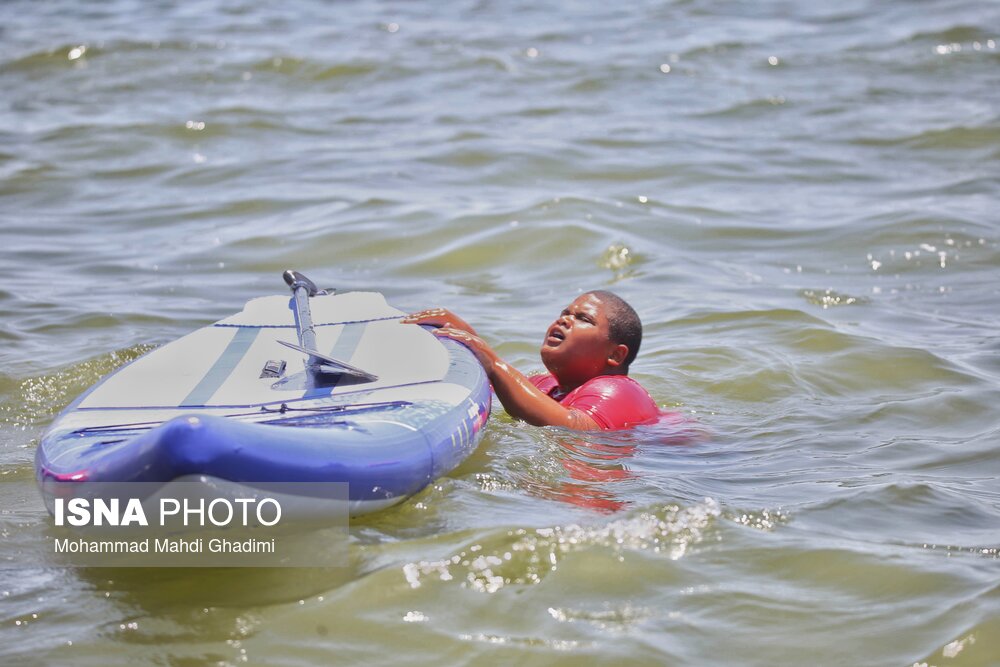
(527, 555)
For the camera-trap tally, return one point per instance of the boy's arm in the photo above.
(440, 317)
(520, 398)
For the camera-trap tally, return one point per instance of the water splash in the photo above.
(616, 617)
(621, 260)
(525, 556)
(617, 257)
(36, 400)
(765, 519)
(830, 299)
(952, 649)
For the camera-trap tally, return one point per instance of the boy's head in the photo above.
(597, 334)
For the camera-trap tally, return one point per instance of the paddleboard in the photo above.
(383, 406)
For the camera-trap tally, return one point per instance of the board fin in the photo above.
(330, 366)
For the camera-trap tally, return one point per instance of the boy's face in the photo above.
(577, 345)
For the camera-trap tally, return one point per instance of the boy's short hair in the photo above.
(624, 325)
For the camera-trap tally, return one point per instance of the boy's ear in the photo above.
(617, 355)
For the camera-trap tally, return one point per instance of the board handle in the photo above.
(295, 280)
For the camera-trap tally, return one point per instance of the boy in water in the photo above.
(587, 352)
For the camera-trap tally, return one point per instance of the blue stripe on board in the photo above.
(222, 368)
(345, 347)
(461, 373)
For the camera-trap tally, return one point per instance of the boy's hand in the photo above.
(439, 317)
(484, 353)
(519, 396)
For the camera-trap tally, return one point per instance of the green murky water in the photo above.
(799, 199)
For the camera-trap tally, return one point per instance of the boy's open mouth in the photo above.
(555, 336)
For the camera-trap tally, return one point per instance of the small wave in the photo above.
(915, 244)
(923, 515)
(867, 367)
(617, 617)
(67, 54)
(590, 84)
(526, 556)
(468, 135)
(207, 125)
(754, 108)
(465, 158)
(540, 112)
(344, 71)
(952, 138)
(954, 34)
(36, 400)
(495, 62)
(766, 520)
(621, 260)
(742, 318)
(610, 142)
(714, 49)
(828, 298)
(57, 57)
(910, 230)
(807, 356)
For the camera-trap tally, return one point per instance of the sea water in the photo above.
(799, 198)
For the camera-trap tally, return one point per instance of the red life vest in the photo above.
(613, 401)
